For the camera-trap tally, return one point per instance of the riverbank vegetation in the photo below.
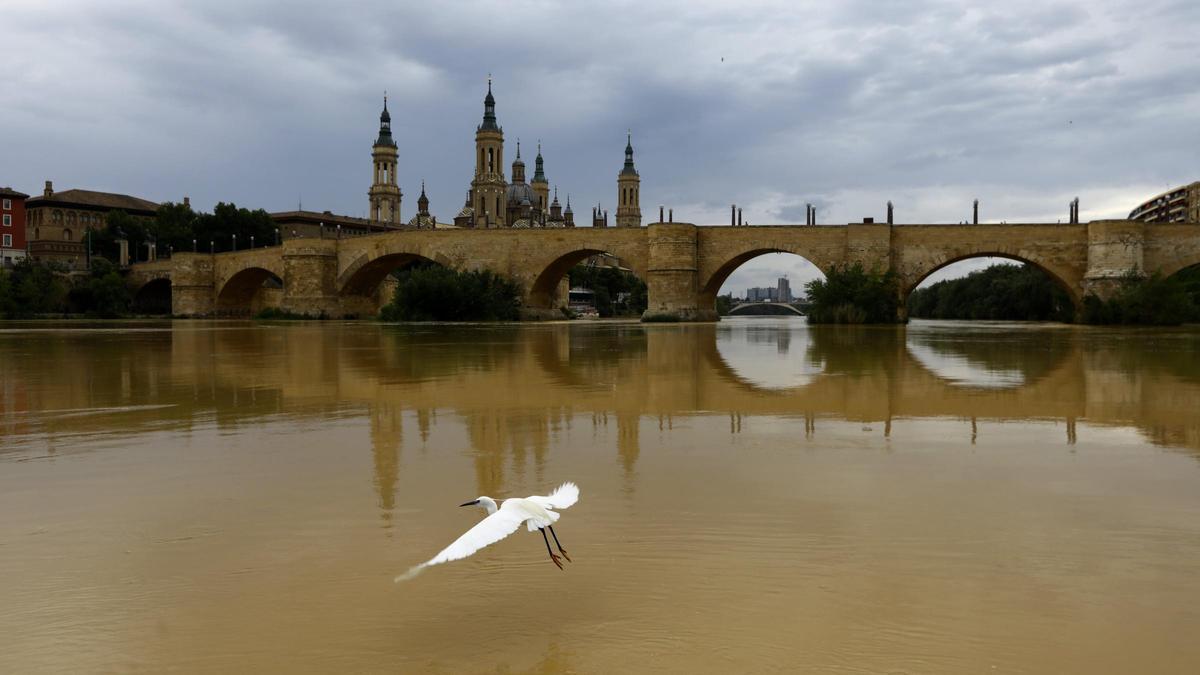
(30, 289)
(1148, 301)
(436, 293)
(1004, 292)
(617, 292)
(853, 294)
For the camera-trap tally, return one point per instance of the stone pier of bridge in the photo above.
(683, 265)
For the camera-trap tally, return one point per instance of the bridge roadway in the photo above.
(683, 265)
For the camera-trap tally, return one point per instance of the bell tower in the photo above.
(629, 213)
(541, 186)
(488, 188)
(385, 193)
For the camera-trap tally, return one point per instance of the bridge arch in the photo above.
(711, 286)
(1181, 264)
(1063, 278)
(237, 294)
(550, 273)
(153, 297)
(363, 276)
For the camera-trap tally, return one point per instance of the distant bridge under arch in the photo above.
(747, 305)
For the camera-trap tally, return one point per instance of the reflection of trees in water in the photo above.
(407, 353)
(1030, 353)
(1173, 352)
(589, 356)
(855, 350)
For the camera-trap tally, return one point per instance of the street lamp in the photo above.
(277, 236)
(339, 230)
(251, 241)
(235, 243)
(212, 247)
(193, 246)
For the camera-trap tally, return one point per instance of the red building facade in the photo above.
(12, 226)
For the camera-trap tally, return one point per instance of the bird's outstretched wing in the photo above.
(566, 495)
(486, 532)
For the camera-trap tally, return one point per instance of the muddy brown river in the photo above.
(757, 496)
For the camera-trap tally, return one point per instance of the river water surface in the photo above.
(757, 496)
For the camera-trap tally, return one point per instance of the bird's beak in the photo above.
(470, 503)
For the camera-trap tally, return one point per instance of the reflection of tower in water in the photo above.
(387, 435)
(494, 435)
(628, 445)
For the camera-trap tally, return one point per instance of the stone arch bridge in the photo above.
(683, 265)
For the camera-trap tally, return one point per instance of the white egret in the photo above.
(535, 511)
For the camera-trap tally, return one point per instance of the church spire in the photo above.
(629, 170)
(539, 169)
(385, 126)
(489, 110)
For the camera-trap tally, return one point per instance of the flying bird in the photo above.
(535, 511)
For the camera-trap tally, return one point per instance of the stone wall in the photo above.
(683, 265)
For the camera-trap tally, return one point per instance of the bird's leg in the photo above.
(560, 548)
(553, 557)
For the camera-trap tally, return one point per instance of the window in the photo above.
(7, 241)
(7, 220)
(66, 235)
(8, 205)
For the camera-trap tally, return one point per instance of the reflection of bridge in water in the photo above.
(517, 388)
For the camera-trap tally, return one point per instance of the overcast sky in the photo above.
(844, 104)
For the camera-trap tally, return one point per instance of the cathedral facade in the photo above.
(493, 201)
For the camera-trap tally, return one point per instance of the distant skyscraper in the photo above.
(785, 290)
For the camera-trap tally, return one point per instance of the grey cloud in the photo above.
(844, 104)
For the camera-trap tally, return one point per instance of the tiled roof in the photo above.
(103, 200)
(9, 192)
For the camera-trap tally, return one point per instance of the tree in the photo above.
(851, 294)
(31, 288)
(724, 304)
(102, 294)
(227, 220)
(1151, 301)
(618, 292)
(1000, 292)
(436, 293)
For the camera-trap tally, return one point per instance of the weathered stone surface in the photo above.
(683, 265)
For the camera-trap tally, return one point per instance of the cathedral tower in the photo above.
(488, 188)
(629, 214)
(541, 187)
(385, 193)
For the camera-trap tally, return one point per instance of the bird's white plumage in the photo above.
(566, 495)
(534, 511)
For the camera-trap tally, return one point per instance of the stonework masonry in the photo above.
(684, 266)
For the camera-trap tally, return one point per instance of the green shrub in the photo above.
(1002, 292)
(31, 288)
(435, 293)
(102, 294)
(278, 314)
(851, 294)
(1149, 301)
(617, 292)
